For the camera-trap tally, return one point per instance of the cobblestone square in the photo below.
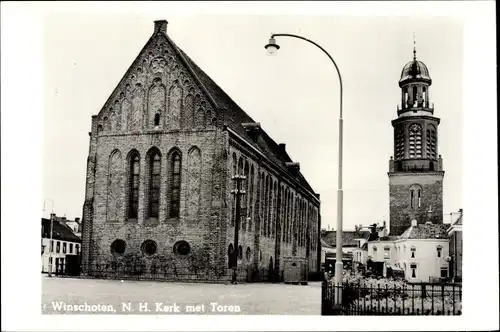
(94, 296)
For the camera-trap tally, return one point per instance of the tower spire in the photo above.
(414, 47)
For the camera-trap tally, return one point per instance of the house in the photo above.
(64, 242)
(420, 252)
(455, 258)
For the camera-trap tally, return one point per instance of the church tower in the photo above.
(416, 169)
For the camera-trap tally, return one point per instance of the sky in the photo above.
(294, 95)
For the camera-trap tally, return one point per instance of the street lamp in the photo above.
(51, 247)
(272, 48)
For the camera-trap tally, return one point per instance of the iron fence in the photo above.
(168, 273)
(407, 299)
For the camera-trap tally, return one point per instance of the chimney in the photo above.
(282, 147)
(77, 220)
(293, 166)
(414, 222)
(161, 26)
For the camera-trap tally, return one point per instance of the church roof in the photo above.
(235, 116)
(415, 70)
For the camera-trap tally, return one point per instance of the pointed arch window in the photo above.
(244, 210)
(415, 196)
(175, 184)
(157, 119)
(415, 141)
(154, 184)
(233, 205)
(240, 172)
(133, 204)
(250, 212)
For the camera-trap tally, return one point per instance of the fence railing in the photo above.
(167, 273)
(407, 299)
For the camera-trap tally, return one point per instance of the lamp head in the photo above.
(272, 47)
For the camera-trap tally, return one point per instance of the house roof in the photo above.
(60, 231)
(325, 245)
(348, 238)
(425, 231)
(235, 116)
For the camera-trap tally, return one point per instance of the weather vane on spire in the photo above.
(414, 47)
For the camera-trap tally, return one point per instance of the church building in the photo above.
(163, 151)
(416, 170)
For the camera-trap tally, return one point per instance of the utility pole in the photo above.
(238, 192)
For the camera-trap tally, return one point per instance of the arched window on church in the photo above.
(251, 194)
(415, 196)
(175, 184)
(133, 203)
(400, 143)
(244, 203)
(233, 205)
(240, 172)
(424, 96)
(154, 184)
(157, 119)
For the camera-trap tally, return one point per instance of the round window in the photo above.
(182, 248)
(118, 247)
(149, 247)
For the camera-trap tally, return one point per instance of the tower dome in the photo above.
(415, 70)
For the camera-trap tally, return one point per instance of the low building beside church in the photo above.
(420, 252)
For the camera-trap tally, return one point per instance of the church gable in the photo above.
(157, 92)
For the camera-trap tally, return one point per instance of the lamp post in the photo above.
(237, 192)
(51, 247)
(272, 47)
